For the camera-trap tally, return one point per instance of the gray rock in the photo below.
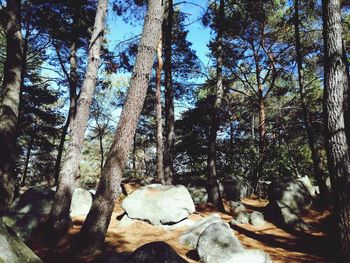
(251, 256)
(236, 207)
(287, 198)
(12, 248)
(27, 211)
(242, 218)
(233, 222)
(257, 219)
(217, 243)
(184, 223)
(81, 202)
(155, 252)
(126, 221)
(190, 237)
(92, 191)
(199, 194)
(309, 186)
(159, 204)
(236, 188)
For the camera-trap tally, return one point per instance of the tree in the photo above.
(68, 30)
(9, 102)
(59, 215)
(318, 171)
(159, 129)
(93, 232)
(336, 104)
(169, 94)
(214, 195)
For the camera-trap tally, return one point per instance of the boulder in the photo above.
(187, 223)
(257, 219)
(126, 221)
(190, 237)
(236, 188)
(251, 256)
(81, 202)
(159, 204)
(217, 243)
(236, 207)
(199, 194)
(242, 218)
(12, 248)
(27, 211)
(287, 198)
(309, 186)
(155, 252)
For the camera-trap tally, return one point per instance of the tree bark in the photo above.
(336, 103)
(262, 121)
(73, 80)
(29, 149)
(93, 232)
(101, 132)
(318, 171)
(159, 130)
(59, 215)
(214, 195)
(9, 103)
(169, 95)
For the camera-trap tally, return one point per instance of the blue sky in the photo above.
(198, 35)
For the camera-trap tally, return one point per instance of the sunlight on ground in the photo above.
(280, 244)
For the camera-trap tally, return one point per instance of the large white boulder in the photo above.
(81, 202)
(159, 204)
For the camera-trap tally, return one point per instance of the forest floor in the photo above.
(282, 245)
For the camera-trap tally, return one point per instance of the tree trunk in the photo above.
(214, 195)
(134, 155)
(318, 171)
(169, 96)
(73, 81)
(59, 215)
(159, 130)
(9, 103)
(95, 226)
(101, 131)
(336, 102)
(262, 122)
(29, 149)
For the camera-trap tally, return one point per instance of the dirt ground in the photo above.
(280, 244)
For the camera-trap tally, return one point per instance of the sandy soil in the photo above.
(282, 245)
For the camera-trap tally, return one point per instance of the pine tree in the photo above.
(9, 102)
(95, 226)
(336, 104)
(59, 215)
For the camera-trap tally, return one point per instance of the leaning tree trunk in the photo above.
(9, 103)
(214, 195)
(169, 95)
(59, 215)
(159, 129)
(318, 171)
(336, 103)
(95, 226)
(73, 85)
